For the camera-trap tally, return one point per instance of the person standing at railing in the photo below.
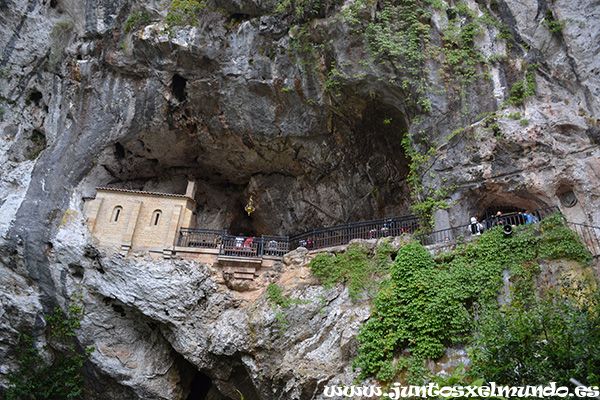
(527, 216)
(475, 227)
(239, 242)
(384, 230)
(498, 220)
(392, 226)
(309, 243)
(534, 219)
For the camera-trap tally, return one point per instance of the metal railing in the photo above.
(343, 234)
(278, 246)
(275, 246)
(453, 234)
(200, 238)
(254, 247)
(590, 236)
(450, 235)
(241, 246)
(516, 218)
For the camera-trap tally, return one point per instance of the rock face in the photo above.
(159, 325)
(302, 116)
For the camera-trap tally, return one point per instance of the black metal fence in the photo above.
(241, 246)
(200, 238)
(450, 235)
(254, 247)
(455, 233)
(517, 218)
(343, 234)
(277, 246)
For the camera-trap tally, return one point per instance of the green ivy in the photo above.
(523, 88)
(275, 296)
(60, 380)
(419, 309)
(429, 304)
(551, 23)
(541, 339)
(460, 378)
(426, 199)
(561, 242)
(356, 267)
(302, 11)
(279, 303)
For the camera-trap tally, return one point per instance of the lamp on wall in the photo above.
(250, 207)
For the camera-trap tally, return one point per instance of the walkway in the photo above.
(248, 247)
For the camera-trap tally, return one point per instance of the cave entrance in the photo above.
(200, 387)
(505, 210)
(242, 225)
(178, 87)
(510, 215)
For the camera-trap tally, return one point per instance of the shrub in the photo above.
(62, 379)
(137, 20)
(361, 271)
(183, 13)
(428, 304)
(419, 309)
(541, 340)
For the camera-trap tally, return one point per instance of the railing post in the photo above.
(262, 247)
(222, 245)
(180, 237)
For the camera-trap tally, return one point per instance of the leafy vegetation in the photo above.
(460, 377)
(540, 338)
(183, 13)
(426, 199)
(38, 144)
(417, 309)
(551, 23)
(524, 88)
(356, 267)
(279, 303)
(427, 304)
(136, 20)
(60, 380)
(302, 11)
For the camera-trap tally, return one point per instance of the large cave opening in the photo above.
(354, 172)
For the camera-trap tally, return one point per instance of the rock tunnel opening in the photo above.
(178, 85)
(200, 387)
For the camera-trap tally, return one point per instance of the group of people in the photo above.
(384, 232)
(308, 243)
(477, 228)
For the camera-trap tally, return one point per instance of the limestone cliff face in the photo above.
(158, 325)
(313, 135)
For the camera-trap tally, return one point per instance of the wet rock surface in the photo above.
(228, 103)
